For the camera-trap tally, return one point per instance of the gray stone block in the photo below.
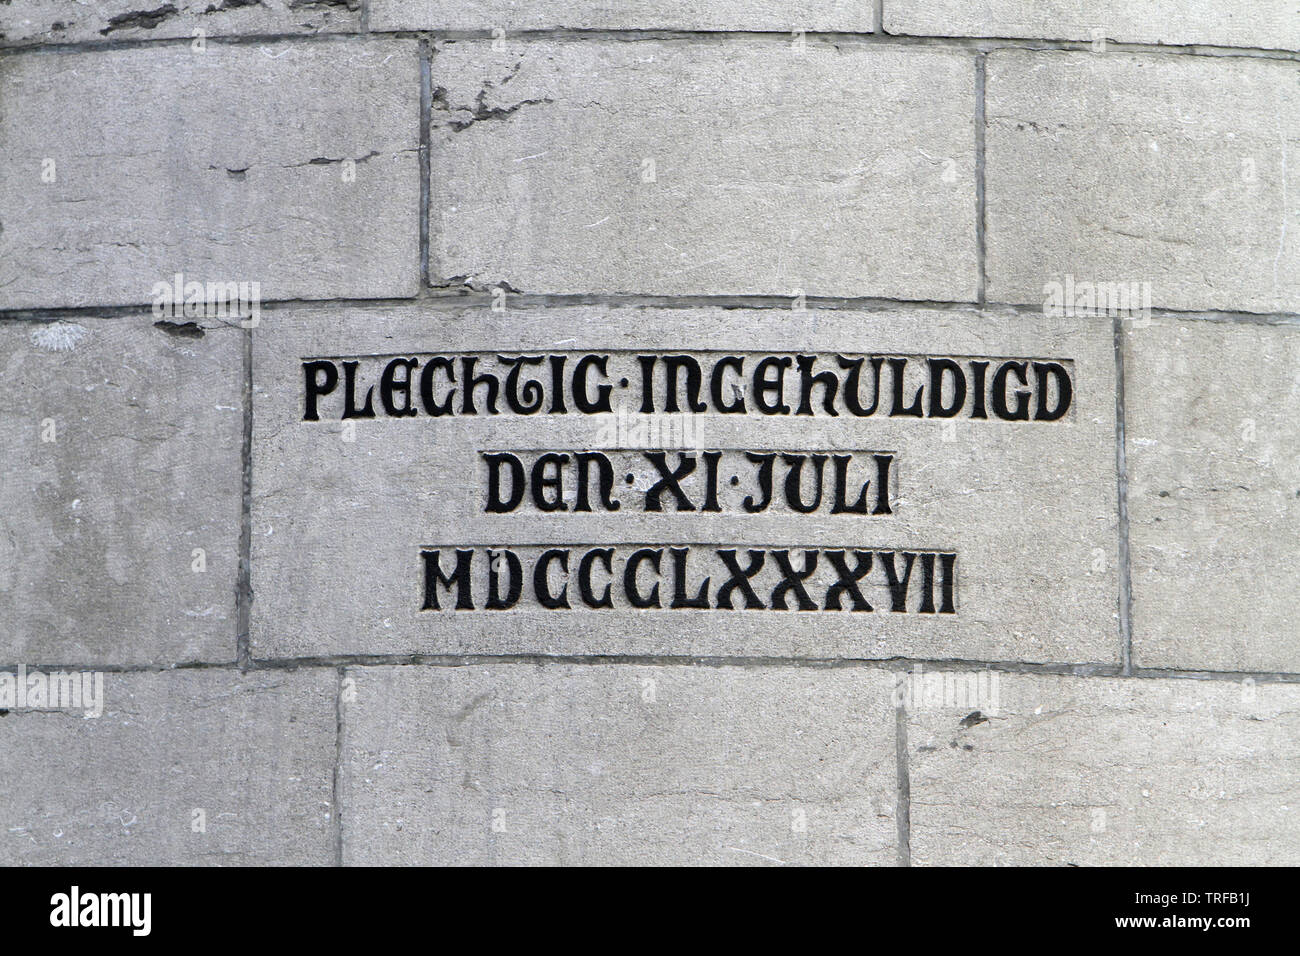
(1273, 24)
(1105, 772)
(255, 754)
(32, 22)
(1214, 494)
(126, 167)
(671, 167)
(509, 15)
(618, 764)
(121, 483)
(1141, 168)
(344, 510)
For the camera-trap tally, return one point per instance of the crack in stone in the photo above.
(225, 5)
(352, 6)
(327, 161)
(480, 111)
(185, 330)
(140, 19)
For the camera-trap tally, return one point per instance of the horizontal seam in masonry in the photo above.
(1079, 670)
(538, 301)
(973, 44)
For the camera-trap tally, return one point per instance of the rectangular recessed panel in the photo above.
(792, 484)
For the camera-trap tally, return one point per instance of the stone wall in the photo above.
(411, 410)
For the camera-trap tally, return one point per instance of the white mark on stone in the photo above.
(59, 336)
(736, 849)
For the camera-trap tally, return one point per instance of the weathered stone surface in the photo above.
(30, 22)
(1144, 168)
(1273, 24)
(225, 165)
(1213, 432)
(621, 14)
(704, 168)
(255, 753)
(1095, 771)
(618, 764)
(122, 460)
(340, 526)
